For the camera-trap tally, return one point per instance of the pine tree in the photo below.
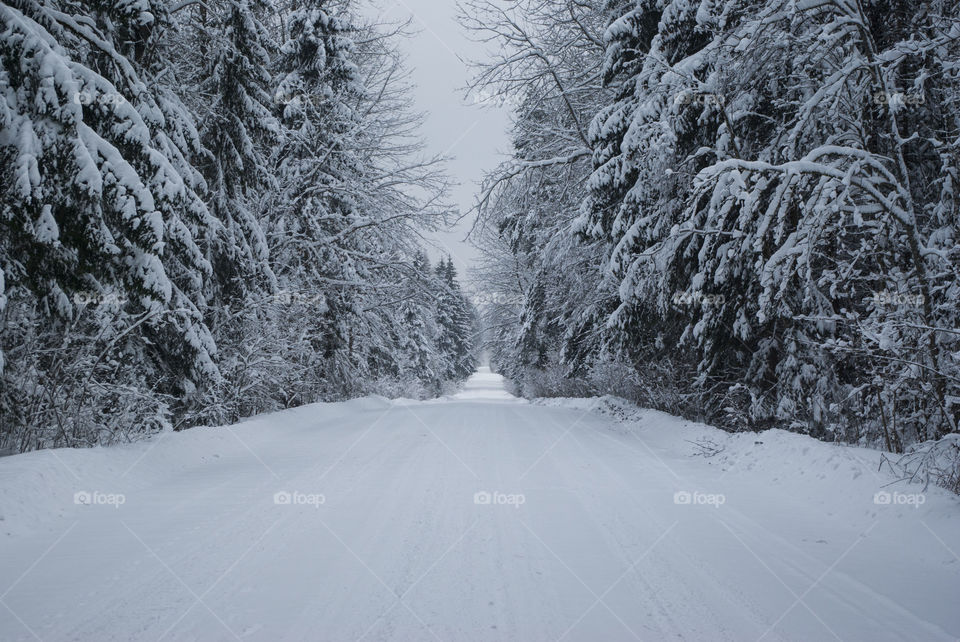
(316, 94)
(102, 226)
(418, 329)
(455, 323)
(235, 134)
(759, 249)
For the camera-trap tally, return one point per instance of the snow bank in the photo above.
(36, 488)
(789, 473)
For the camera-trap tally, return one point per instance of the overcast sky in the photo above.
(473, 135)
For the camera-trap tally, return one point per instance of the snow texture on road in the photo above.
(473, 517)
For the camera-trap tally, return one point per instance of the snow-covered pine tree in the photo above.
(455, 324)
(101, 226)
(418, 328)
(236, 134)
(238, 131)
(317, 94)
(648, 142)
(141, 31)
(755, 196)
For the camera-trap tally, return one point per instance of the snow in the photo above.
(474, 517)
(45, 229)
(485, 386)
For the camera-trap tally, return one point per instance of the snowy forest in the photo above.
(480, 320)
(742, 212)
(739, 211)
(211, 210)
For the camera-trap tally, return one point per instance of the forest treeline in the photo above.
(740, 211)
(208, 210)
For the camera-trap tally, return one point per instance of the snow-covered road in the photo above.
(477, 517)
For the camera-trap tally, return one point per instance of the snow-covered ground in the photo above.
(474, 517)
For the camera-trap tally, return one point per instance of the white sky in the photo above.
(472, 134)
